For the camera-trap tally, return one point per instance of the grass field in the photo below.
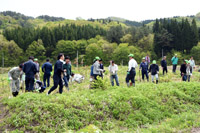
(170, 106)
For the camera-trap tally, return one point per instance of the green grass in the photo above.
(170, 106)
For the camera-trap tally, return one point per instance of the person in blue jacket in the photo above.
(144, 67)
(57, 78)
(47, 69)
(30, 70)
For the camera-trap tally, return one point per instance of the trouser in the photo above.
(184, 77)
(29, 82)
(131, 76)
(112, 77)
(37, 76)
(145, 73)
(66, 80)
(164, 70)
(57, 81)
(46, 77)
(152, 78)
(95, 76)
(188, 78)
(174, 68)
(14, 85)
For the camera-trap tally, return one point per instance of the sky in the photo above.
(136, 10)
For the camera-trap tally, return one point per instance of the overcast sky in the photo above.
(130, 9)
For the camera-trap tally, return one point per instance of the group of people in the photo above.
(30, 72)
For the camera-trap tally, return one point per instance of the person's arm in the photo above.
(43, 66)
(157, 68)
(10, 73)
(24, 68)
(150, 69)
(70, 70)
(130, 64)
(172, 59)
(51, 68)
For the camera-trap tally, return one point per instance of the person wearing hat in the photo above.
(183, 70)
(164, 65)
(188, 71)
(14, 75)
(132, 65)
(154, 69)
(174, 63)
(37, 75)
(30, 70)
(113, 68)
(96, 68)
(144, 68)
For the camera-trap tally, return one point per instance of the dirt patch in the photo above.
(195, 130)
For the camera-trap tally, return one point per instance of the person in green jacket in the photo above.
(67, 71)
(174, 62)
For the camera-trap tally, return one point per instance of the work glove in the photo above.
(128, 72)
(9, 79)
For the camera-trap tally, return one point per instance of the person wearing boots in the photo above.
(154, 69)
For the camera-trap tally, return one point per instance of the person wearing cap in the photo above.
(144, 68)
(67, 71)
(14, 76)
(154, 69)
(183, 70)
(101, 67)
(96, 68)
(174, 63)
(47, 69)
(164, 65)
(58, 70)
(188, 71)
(37, 75)
(30, 70)
(113, 68)
(132, 65)
(192, 63)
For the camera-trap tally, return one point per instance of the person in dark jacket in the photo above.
(47, 69)
(101, 67)
(57, 78)
(164, 65)
(154, 69)
(67, 71)
(30, 70)
(183, 70)
(144, 68)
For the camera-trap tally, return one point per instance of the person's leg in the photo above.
(111, 80)
(17, 87)
(27, 83)
(48, 80)
(65, 80)
(156, 78)
(56, 82)
(44, 79)
(143, 75)
(147, 76)
(127, 79)
(133, 78)
(175, 68)
(188, 78)
(60, 86)
(32, 80)
(116, 80)
(152, 78)
(166, 70)
(163, 71)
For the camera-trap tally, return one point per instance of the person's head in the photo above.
(21, 67)
(191, 57)
(130, 56)
(97, 58)
(113, 62)
(35, 60)
(100, 61)
(67, 59)
(72, 74)
(47, 60)
(147, 54)
(185, 62)
(175, 55)
(61, 56)
(31, 58)
(143, 59)
(154, 62)
(164, 58)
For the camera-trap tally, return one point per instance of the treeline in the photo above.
(15, 15)
(171, 34)
(25, 36)
(50, 18)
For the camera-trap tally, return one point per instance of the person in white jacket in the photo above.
(132, 65)
(192, 63)
(113, 68)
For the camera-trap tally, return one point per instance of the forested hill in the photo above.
(110, 38)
